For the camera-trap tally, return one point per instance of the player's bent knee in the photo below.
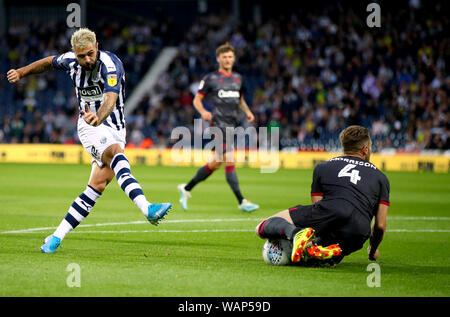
(100, 187)
(229, 158)
(110, 152)
(214, 165)
(285, 214)
(259, 230)
(101, 179)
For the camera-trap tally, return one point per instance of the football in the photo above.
(277, 252)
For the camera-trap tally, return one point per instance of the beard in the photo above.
(89, 66)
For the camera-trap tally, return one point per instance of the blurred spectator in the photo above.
(313, 74)
(52, 93)
(17, 128)
(309, 72)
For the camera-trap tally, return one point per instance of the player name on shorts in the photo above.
(228, 94)
(356, 162)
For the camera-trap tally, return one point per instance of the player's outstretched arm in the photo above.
(378, 230)
(40, 66)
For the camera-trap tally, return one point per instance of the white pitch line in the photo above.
(225, 230)
(30, 230)
(418, 230)
(135, 223)
(233, 230)
(169, 231)
(418, 218)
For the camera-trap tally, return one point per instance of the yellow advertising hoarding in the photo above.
(75, 154)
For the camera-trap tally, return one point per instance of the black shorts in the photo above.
(348, 228)
(225, 146)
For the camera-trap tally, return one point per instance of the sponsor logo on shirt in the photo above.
(228, 94)
(90, 93)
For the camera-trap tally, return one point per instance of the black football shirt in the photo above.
(224, 92)
(350, 182)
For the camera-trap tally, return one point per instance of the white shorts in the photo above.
(96, 140)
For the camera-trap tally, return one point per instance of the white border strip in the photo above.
(167, 231)
(217, 230)
(31, 230)
(418, 230)
(136, 223)
(418, 218)
(238, 230)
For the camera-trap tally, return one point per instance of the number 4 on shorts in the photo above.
(354, 175)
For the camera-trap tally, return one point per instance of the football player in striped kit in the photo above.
(99, 81)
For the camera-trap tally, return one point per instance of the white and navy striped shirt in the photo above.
(108, 75)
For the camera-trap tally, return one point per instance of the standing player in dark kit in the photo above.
(346, 192)
(224, 89)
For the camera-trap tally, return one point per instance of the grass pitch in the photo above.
(210, 250)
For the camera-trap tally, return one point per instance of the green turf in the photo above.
(201, 258)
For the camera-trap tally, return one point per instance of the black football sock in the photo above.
(277, 228)
(231, 176)
(202, 174)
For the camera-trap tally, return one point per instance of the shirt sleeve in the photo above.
(113, 77)
(316, 187)
(384, 191)
(62, 61)
(205, 86)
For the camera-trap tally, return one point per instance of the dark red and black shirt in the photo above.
(224, 92)
(350, 180)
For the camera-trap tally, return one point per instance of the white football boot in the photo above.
(248, 206)
(184, 196)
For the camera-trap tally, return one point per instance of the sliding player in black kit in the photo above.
(224, 89)
(346, 192)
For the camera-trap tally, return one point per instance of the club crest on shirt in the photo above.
(112, 79)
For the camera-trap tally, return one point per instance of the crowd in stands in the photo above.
(308, 73)
(44, 108)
